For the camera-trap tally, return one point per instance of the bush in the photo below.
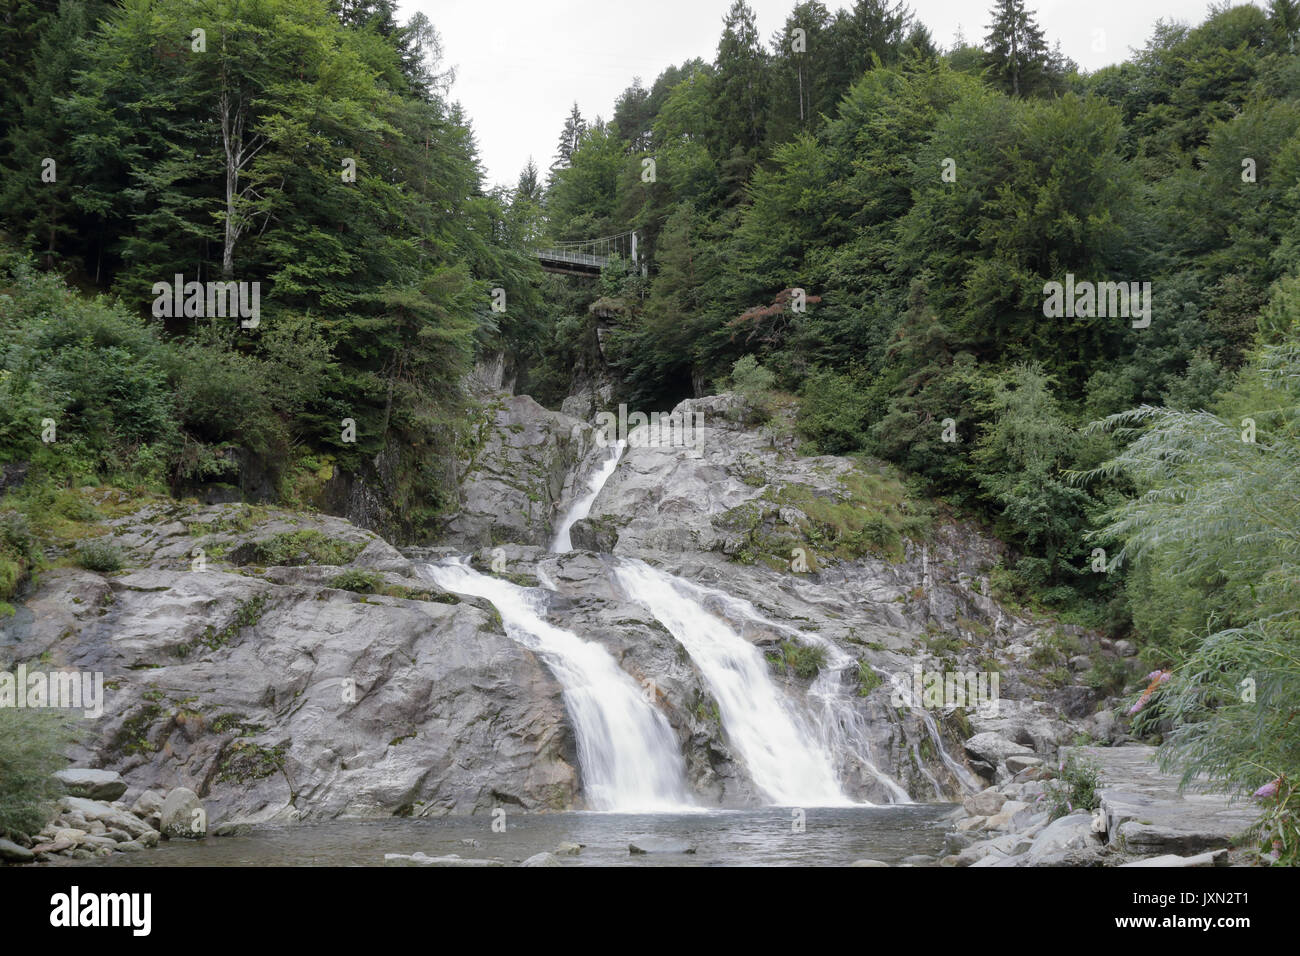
(835, 412)
(363, 582)
(1075, 789)
(31, 750)
(805, 660)
(18, 553)
(102, 556)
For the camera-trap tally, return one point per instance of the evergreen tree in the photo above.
(741, 95)
(1016, 53)
(570, 136)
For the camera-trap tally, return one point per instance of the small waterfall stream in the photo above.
(628, 754)
(787, 761)
(581, 506)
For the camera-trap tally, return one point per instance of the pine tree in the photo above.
(1016, 53)
(741, 104)
(574, 127)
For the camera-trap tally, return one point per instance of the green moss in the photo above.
(296, 548)
(363, 582)
(245, 761)
(246, 615)
(868, 679)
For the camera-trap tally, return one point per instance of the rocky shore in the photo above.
(1140, 817)
(92, 821)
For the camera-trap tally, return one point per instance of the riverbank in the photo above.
(1139, 819)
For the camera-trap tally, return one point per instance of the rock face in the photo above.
(513, 485)
(283, 666)
(274, 696)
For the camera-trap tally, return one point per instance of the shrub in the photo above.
(805, 660)
(102, 556)
(1075, 789)
(31, 749)
(364, 582)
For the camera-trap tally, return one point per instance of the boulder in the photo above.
(419, 859)
(182, 815)
(108, 815)
(985, 803)
(94, 784)
(868, 863)
(1213, 858)
(1066, 833)
(148, 807)
(658, 846)
(1018, 762)
(542, 859)
(569, 849)
(11, 852)
(993, 748)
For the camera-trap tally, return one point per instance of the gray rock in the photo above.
(919, 859)
(108, 815)
(868, 863)
(542, 859)
(1125, 649)
(11, 852)
(993, 748)
(183, 816)
(148, 807)
(94, 784)
(569, 849)
(1018, 762)
(1213, 858)
(659, 846)
(1066, 833)
(984, 804)
(419, 859)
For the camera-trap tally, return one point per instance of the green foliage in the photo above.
(31, 750)
(294, 548)
(100, 555)
(363, 582)
(1074, 789)
(805, 661)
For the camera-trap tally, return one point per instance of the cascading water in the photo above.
(628, 755)
(581, 506)
(786, 760)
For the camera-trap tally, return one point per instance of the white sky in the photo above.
(520, 64)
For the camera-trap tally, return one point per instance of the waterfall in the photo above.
(628, 754)
(787, 761)
(581, 506)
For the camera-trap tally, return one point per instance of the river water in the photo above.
(831, 837)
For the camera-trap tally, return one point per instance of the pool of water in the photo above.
(767, 837)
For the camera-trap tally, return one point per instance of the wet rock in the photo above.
(542, 859)
(419, 859)
(11, 852)
(659, 846)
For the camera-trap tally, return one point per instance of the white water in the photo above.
(628, 755)
(787, 761)
(581, 506)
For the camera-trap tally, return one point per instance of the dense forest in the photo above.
(846, 216)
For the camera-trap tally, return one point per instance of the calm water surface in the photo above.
(832, 837)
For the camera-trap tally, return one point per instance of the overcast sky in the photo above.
(520, 64)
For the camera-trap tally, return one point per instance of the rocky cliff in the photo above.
(288, 666)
